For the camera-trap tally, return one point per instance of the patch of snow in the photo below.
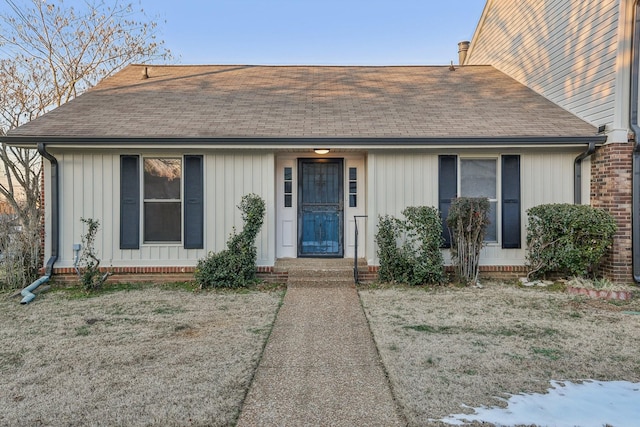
(591, 403)
(525, 282)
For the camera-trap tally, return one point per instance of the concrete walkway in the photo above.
(320, 366)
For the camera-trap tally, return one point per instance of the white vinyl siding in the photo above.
(562, 49)
(89, 188)
(401, 179)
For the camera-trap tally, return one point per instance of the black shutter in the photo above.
(193, 203)
(447, 190)
(129, 202)
(511, 202)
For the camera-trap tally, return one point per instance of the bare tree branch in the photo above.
(49, 54)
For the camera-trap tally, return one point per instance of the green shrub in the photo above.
(567, 239)
(393, 266)
(89, 271)
(467, 220)
(235, 266)
(409, 250)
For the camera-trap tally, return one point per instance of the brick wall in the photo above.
(158, 274)
(368, 274)
(611, 176)
(487, 272)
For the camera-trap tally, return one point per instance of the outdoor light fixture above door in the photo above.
(321, 150)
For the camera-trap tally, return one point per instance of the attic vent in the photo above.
(145, 73)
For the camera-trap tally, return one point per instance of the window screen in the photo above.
(162, 199)
(478, 179)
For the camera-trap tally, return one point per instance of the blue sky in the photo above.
(315, 32)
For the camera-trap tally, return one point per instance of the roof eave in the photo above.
(268, 142)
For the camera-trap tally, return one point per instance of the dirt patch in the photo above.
(145, 357)
(445, 348)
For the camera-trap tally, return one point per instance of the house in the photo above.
(584, 56)
(161, 156)
(5, 208)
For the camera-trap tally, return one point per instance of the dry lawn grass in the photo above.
(169, 357)
(447, 347)
(145, 357)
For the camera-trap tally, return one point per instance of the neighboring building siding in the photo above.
(89, 188)
(19, 193)
(401, 179)
(562, 49)
(577, 54)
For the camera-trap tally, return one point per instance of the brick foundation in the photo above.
(268, 274)
(158, 274)
(496, 272)
(611, 190)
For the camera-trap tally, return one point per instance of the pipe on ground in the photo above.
(27, 292)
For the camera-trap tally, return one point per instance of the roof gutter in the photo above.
(239, 142)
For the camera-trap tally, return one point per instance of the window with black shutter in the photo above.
(511, 222)
(129, 202)
(480, 177)
(447, 191)
(193, 199)
(168, 195)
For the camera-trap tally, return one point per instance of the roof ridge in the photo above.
(305, 66)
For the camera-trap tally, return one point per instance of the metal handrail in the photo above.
(355, 253)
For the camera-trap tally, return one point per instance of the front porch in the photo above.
(308, 271)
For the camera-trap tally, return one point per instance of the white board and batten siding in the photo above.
(401, 179)
(566, 50)
(388, 181)
(90, 188)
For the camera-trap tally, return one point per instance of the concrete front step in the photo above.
(291, 264)
(316, 284)
(318, 272)
(322, 273)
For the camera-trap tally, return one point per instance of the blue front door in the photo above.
(320, 208)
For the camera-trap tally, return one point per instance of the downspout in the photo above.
(635, 158)
(635, 200)
(27, 292)
(635, 181)
(577, 173)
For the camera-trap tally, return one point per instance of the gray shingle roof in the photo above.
(307, 102)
